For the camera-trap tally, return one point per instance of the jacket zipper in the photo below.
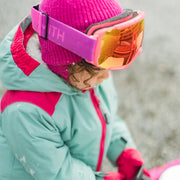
(96, 104)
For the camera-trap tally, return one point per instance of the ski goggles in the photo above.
(111, 44)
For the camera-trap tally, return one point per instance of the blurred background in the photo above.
(149, 90)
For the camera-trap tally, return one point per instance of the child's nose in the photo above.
(104, 75)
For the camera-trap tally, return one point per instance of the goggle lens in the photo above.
(120, 46)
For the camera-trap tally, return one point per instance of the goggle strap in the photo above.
(62, 34)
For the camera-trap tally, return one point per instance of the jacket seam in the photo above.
(36, 107)
(12, 167)
(60, 99)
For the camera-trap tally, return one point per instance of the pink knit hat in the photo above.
(79, 14)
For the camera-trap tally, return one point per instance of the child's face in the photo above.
(84, 80)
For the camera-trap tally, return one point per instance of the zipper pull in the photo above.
(104, 114)
(106, 118)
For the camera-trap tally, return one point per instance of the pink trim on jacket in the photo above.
(25, 62)
(96, 101)
(45, 100)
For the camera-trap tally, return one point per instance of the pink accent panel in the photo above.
(25, 62)
(95, 101)
(45, 100)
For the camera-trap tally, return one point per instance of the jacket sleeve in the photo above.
(36, 142)
(121, 137)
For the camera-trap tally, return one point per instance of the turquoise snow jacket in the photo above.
(48, 130)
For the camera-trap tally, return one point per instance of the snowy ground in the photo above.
(149, 89)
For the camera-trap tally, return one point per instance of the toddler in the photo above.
(58, 116)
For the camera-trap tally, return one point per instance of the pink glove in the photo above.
(114, 176)
(129, 163)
